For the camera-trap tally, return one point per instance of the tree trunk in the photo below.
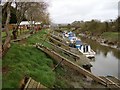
(6, 44)
(18, 24)
(0, 33)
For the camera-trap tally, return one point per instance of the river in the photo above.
(106, 61)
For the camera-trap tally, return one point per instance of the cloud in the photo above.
(67, 11)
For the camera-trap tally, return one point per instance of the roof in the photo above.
(29, 22)
(38, 23)
(25, 23)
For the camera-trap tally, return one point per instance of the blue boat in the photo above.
(71, 36)
(78, 44)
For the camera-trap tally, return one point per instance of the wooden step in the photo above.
(110, 83)
(114, 79)
(32, 84)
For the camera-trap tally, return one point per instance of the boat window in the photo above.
(78, 42)
(86, 48)
(80, 46)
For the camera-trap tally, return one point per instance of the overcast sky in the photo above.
(67, 11)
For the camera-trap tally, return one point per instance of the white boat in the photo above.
(65, 33)
(87, 51)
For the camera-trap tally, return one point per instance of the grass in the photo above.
(39, 37)
(112, 36)
(23, 60)
(60, 80)
(3, 34)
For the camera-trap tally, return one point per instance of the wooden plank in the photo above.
(41, 86)
(114, 84)
(104, 78)
(38, 85)
(27, 83)
(35, 84)
(30, 84)
(56, 37)
(81, 59)
(65, 50)
(60, 43)
(114, 79)
(110, 83)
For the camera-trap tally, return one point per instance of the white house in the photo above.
(26, 24)
(29, 23)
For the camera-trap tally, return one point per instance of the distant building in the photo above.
(27, 24)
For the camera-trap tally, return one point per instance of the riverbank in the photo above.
(23, 59)
(109, 39)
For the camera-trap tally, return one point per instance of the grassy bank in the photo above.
(112, 36)
(24, 59)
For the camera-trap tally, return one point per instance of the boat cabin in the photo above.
(85, 48)
(78, 44)
(87, 51)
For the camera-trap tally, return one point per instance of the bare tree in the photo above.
(6, 10)
(46, 18)
(37, 12)
(21, 7)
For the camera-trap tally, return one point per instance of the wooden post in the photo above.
(58, 64)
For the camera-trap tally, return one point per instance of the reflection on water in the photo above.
(106, 59)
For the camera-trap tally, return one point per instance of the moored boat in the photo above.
(87, 51)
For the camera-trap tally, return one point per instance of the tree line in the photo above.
(96, 27)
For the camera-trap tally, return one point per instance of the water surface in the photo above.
(107, 60)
